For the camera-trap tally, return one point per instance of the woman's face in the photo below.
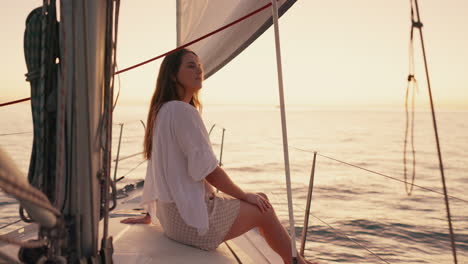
(190, 74)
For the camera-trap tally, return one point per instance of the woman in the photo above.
(182, 170)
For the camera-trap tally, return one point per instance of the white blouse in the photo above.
(181, 157)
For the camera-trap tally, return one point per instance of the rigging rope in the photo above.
(134, 168)
(15, 101)
(129, 156)
(439, 152)
(114, 42)
(15, 185)
(9, 224)
(334, 230)
(198, 39)
(378, 173)
(412, 86)
(112, 14)
(174, 50)
(25, 192)
(331, 158)
(24, 244)
(118, 91)
(18, 133)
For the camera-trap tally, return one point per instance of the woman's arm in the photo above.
(208, 187)
(219, 179)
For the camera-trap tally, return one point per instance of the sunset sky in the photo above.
(335, 54)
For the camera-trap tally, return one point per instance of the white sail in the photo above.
(197, 18)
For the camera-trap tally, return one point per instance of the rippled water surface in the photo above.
(350, 206)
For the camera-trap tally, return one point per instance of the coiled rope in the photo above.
(25, 192)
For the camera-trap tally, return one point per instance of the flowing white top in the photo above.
(181, 157)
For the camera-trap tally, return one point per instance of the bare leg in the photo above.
(270, 227)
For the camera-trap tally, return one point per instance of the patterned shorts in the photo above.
(222, 212)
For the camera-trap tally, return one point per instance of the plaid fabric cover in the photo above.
(222, 210)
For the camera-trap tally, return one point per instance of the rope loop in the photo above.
(24, 216)
(411, 89)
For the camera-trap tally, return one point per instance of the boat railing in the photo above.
(310, 192)
(222, 141)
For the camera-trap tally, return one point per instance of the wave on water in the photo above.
(373, 210)
(394, 242)
(267, 166)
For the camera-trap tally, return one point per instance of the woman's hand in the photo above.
(137, 220)
(258, 200)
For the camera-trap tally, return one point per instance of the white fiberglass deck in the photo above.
(147, 244)
(144, 244)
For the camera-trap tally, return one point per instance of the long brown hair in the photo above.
(166, 90)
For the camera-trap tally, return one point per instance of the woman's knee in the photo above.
(249, 215)
(259, 215)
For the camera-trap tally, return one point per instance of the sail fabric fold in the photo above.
(197, 18)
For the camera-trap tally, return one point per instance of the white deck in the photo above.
(148, 244)
(144, 244)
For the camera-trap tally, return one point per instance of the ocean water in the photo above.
(349, 204)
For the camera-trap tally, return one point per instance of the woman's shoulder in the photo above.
(178, 107)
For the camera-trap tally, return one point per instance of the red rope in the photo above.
(196, 40)
(16, 101)
(174, 50)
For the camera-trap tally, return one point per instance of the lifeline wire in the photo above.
(378, 173)
(336, 231)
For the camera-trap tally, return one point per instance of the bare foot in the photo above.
(137, 220)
